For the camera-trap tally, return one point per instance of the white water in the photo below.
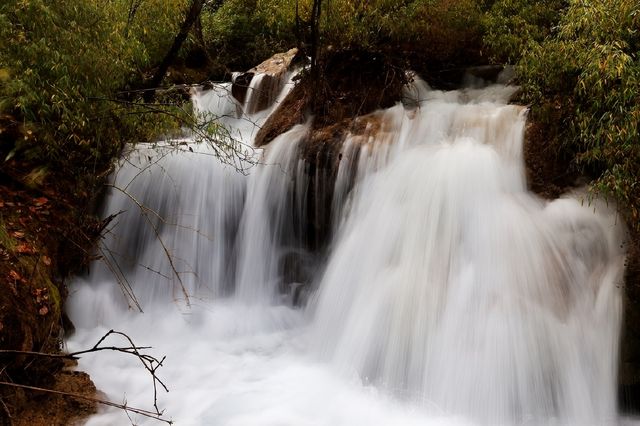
(450, 296)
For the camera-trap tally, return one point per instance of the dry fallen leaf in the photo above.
(15, 276)
(43, 311)
(17, 234)
(40, 201)
(25, 248)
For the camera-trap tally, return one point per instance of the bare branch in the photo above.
(149, 362)
(145, 213)
(145, 413)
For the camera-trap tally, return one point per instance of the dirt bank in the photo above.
(46, 233)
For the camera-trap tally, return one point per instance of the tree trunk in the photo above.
(315, 36)
(189, 20)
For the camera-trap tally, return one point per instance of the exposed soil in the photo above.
(46, 409)
(46, 233)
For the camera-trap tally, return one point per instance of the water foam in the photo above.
(450, 296)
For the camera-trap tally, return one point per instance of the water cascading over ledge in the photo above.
(447, 295)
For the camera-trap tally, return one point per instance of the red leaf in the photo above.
(17, 234)
(25, 248)
(40, 201)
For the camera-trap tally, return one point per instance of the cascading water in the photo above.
(449, 295)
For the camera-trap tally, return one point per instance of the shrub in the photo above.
(243, 33)
(590, 69)
(61, 62)
(510, 26)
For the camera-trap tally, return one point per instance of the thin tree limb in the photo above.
(124, 407)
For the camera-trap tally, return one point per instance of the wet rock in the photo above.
(278, 64)
(269, 76)
(240, 86)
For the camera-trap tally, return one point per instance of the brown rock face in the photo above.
(293, 110)
(350, 84)
(278, 64)
(241, 85)
(270, 78)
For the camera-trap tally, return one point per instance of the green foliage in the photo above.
(447, 31)
(243, 33)
(154, 24)
(591, 68)
(436, 31)
(363, 25)
(511, 26)
(61, 62)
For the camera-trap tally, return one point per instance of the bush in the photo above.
(510, 26)
(242, 33)
(590, 69)
(60, 64)
(438, 33)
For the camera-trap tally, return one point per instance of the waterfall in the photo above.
(448, 294)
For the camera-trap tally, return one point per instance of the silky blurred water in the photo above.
(449, 294)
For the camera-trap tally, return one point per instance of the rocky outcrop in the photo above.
(351, 84)
(271, 75)
(351, 87)
(293, 110)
